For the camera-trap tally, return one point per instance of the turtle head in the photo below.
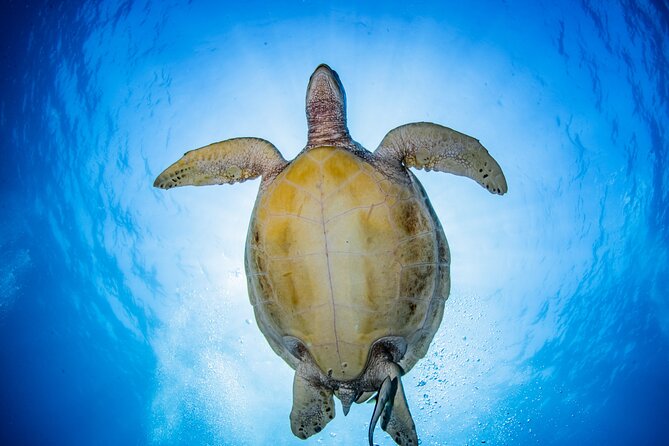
(326, 108)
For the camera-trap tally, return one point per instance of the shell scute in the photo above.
(361, 230)
(287, 198)
(412, 310)
(307, 176)
(300, 281)
(290, 237)
(338, 171)
(370, 289)
(416, 250)
(392, 192)
(414, 280)
(358, 191)
(410, 218)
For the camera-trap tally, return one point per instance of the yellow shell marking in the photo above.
(339, 256)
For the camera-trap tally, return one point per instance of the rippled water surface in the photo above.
(124, 317)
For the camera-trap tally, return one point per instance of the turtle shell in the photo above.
(340, 254)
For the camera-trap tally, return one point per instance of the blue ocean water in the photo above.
(124, 317)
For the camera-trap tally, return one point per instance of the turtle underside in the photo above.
(346, 262)
(339, 255)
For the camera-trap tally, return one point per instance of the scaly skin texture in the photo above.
(326, 110)
(339, 256)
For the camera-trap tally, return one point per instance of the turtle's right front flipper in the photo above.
(424, 145)
(231, 161)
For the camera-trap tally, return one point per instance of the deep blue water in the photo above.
(123, 310)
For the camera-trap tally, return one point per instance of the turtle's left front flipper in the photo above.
(428, 146)
(226, 162)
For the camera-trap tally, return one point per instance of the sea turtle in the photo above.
(346, 262)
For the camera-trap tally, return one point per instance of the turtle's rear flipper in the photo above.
(391, 407)
(313, 407)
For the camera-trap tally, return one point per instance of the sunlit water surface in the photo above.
(124, 317)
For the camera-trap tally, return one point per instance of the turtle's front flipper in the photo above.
(392, 408)
(231, 161)
(313, 407)
(428, 146)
